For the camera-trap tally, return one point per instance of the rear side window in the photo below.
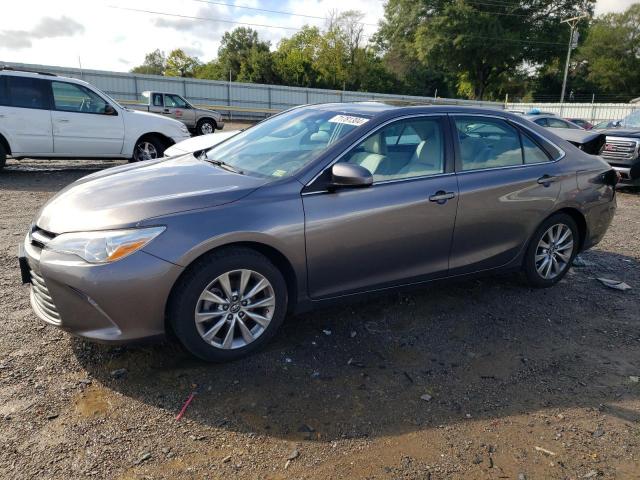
(4, 99)
(542, 122)
(487, 143)
(157, 100)
(26, 92)
(532, 152)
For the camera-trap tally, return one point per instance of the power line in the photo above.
(204, 19)
(279, 12)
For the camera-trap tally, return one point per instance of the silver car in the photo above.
(315, 204)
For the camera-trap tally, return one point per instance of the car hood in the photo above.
(124, 196)
(201, 142)
(622, 132)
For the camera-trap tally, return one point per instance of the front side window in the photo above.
(404, 149)
(69, 97)
(542, 122)
(557, 123)
(174, 101)
(25, 92)
(285, 143)
(490, 143)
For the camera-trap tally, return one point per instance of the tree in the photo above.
(247, 58)
(179, 64)
(610, 56)
(294, 62)
(476, 43)
(154, 63)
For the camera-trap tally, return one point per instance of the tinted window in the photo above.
(532, 152)
(487, 143)
(542, 122)
(157, 99)
(69, 97)
(558, 123)
(404, 149)
(4, 98)
(174, 101)
(28, 92)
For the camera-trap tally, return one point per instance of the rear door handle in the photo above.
(547, 180)
(63, 120)
(441, 197)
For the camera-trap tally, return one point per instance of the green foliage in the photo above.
(467, 48)
(610, 56)
(154, 63)
(179, 64)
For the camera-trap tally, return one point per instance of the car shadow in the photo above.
(482, 348)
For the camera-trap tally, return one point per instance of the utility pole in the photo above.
(573, 22)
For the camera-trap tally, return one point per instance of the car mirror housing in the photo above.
(348, 175)
(109, 110)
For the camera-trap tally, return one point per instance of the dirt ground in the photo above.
(515, 383)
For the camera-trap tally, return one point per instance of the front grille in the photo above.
(43, 299)
(620, 150)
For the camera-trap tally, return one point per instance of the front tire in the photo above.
(3, 156)
(148, 148)
(551, 251)
(228, 305)
(205, 126)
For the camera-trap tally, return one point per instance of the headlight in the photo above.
(104, 246)
(184, 129)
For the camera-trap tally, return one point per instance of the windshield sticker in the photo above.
(349, 120)
(278, 173)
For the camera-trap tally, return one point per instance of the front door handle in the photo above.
(166, 110)
(441, 197)
(547, 180)
(63, 120)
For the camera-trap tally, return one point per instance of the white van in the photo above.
(43, 115)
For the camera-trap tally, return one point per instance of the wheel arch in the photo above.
(166, 141)
(273, 254)
(579, 218)
(5, 143)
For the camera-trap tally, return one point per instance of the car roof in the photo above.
(40, 75)
(375, 109)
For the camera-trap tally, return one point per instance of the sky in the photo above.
(109, 35)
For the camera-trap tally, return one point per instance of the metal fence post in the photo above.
(269, 92)
(229, 98)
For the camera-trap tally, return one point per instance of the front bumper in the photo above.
(110, 303)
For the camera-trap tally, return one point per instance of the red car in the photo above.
(580, 122)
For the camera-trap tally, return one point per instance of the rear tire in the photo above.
(212, 310)
(148, 148)
(551, 251)
(205, 126)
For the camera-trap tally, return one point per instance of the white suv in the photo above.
(43, 115)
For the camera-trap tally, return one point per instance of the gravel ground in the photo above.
(477, 379)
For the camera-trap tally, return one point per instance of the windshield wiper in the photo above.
(225, 165)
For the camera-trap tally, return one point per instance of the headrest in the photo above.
(375, 144)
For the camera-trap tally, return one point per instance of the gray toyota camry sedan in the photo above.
(317, 203)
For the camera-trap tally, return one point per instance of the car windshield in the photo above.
(632, 120)
(285, 143)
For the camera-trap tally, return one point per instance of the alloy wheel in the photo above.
(206, 128)
(145, 151)
(235, 309)
(554, 251)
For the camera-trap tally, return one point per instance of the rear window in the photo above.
(26, 92)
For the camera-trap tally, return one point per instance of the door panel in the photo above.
(26, 118)
(80, 125)
(176, 107)
(500, 207)
(386, 234)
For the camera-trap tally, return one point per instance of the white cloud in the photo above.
(58, 32)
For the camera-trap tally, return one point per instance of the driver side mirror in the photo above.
(109, 110)
(349, 175)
